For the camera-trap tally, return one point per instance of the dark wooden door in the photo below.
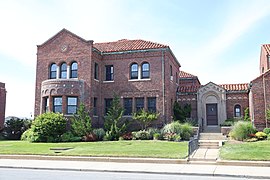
(211, 114)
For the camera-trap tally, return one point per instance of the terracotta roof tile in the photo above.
(127, 45)
(184, 74)
(235, 87)
(267, 48)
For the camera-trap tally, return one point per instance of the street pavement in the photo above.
(154, 168)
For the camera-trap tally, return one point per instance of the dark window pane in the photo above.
(134, 71)
(237, 111)
(57, 104)
(139, 104)
(74, 70)
(96, 71)
(63, 71)
(128, 106)
(95, 107)
(109, 73)
(53, 71)
(151, 104)
(72, 105)
(108, 103)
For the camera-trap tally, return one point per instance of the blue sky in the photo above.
(218, 41)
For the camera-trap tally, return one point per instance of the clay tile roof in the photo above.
(188, 89)
(267, 48)
(184, 74)
(235, 87)
(127, 45)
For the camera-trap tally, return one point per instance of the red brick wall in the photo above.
(191, 99)
(189, 82)
(233, 99)
(2, 104)
(264, 64)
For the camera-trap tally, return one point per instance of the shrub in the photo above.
(174, 127)
(228, 122)
(186, 131)
(29, 135)
(141, 135)
(241, 130)
(261, 135)
(172, 137)
(100, 133)
(252, 140)
(156, 136)
(15, 127)
(266, 130)
(127, 136)
(70, 137)
(192, 122)
(152, 131)
(268, 137)
(81, 122)
(47, 127)
(90, 137)
(145, 118)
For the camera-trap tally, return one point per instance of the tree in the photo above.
(246, 115)
(15, 127)
(81, 122)
(113, 125)
(145, 118)
(180, 114)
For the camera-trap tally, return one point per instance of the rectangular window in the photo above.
(139, 104)
(46, 104)
(128, 106)
(151, 104)
(108, 103)
(171, 70)
(96, 71)
(72, 103)
(57, 104)
(109, 73)
(95, 107)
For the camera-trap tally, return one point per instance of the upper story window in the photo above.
(74, 70)
(72, 103)
(145, 70)
(57, 104)
(134, 71)
(237, 110)
(53, 69)
(96, 71)
(109, 73)
(63, 71)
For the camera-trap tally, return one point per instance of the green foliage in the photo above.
(14, 128)
(145, 118)
(241, 130)
(261, 135)
(246, 115)
(156, 136)
(186, 131)
(152, 131)
(113, 125)
(179, 113)
(229, 122)
(268, 114)
(141, 135)
(100, 133)
(70, 137)
(47, 127)
(174, 127)
(266, 130)
(268, 137)
(81, 122)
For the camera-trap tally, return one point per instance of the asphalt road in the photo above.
(30, 174)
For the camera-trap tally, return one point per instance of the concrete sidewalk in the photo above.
(184, 169)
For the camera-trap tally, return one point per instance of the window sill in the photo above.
(127, 116)
(134, 80)
(108, 81)
(96, 80)
(95, 116)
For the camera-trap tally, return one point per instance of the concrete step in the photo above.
(212, 136)
(210, 144)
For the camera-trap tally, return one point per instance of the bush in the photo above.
(100, 133)
(15, 127)
(145, 118)
(268, 137)
(90, 137)
(127, 136)
(186, 131)
(261, 135)
(172, 137)
(266, 130)
(141, 135)
(70, 137)
(152, 131)
(241, 130)
(156, 136)
(174, 127)
(47, 127)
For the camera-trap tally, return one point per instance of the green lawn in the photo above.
(159, 149)
(259, 150)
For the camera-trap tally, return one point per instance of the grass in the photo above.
(254, 151)
(157, 149)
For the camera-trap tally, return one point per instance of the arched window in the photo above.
(134, 71)
(53, 68)
(63, 71)
(145, 70)
(237, 110)
(74, 70)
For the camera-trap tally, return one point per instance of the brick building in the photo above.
(71, 70)
(2, 104)
(212, 104)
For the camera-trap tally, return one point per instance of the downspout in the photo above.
(265, 104)
(163, 85)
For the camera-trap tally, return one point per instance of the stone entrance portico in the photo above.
(211, 103)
